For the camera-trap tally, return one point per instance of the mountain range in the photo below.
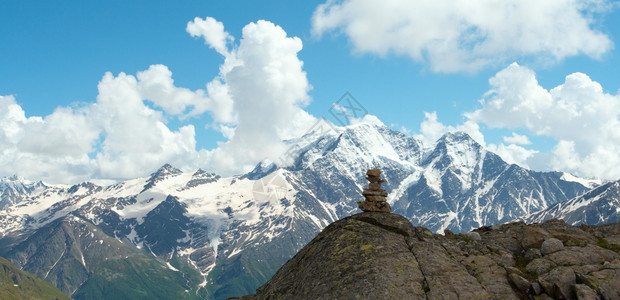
(598, 206)
(213, 237)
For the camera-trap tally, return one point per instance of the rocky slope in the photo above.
(17, 284)
(383, 256)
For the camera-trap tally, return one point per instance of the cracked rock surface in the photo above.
(376, 255)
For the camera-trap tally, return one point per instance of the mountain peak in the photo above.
(457, 137)
(162, 173)
(13, 180)
(457, 149)
(201, 177)
(167, 169)
(14, 177)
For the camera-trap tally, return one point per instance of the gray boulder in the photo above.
(551, 245)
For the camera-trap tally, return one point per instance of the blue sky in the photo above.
(406, 62)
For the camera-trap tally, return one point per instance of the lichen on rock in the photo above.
(377, 255)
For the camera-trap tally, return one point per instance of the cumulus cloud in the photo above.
(454, 36)
(36, 147)
(212, 31)
(135, 137)
(117, 137)
(517, 139)
(578, 114)
(513, 154)
(267, 87)
(255, 102)
(431, 129)
(156, 84)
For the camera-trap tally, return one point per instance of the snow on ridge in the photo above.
(589, 183)
(567, 209)
(433, 178)
(398, 192)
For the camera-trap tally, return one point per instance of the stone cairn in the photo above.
(374, 194)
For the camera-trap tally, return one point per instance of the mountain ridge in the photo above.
(597, 206)
(237, 231)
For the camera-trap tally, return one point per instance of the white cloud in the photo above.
(135, 136)
(578, 114)
(453, 36)
(431, 130)
(267, 87)
(513, 154)
(156, 84)
(212, 31)
(35, 147)
(255, 102)
(11, 119)
(117, 137)
(517, 139)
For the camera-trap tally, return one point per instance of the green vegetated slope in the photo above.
(242, 273)
(17, 284)
(84, 262)
(137, 278)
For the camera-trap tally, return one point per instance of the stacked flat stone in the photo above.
(374, 195)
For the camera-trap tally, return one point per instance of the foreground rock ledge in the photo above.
(375, 255)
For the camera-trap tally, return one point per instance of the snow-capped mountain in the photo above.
(212, 224)
(457, 185)
(461, 186)
(598, 206)
(233, 233)
(13, 189)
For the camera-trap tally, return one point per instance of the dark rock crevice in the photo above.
(425, 286)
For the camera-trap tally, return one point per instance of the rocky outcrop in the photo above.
(374, 255)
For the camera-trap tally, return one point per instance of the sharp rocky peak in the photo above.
(366, 141)
(13, 177)
(201, 177)
(86, 185)
(456, 148)
(13, 180)
(162, 173)
(451, 139)
(165, 170)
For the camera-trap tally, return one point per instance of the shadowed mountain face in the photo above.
(382, 256)
(225, 236)
(84, 262)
